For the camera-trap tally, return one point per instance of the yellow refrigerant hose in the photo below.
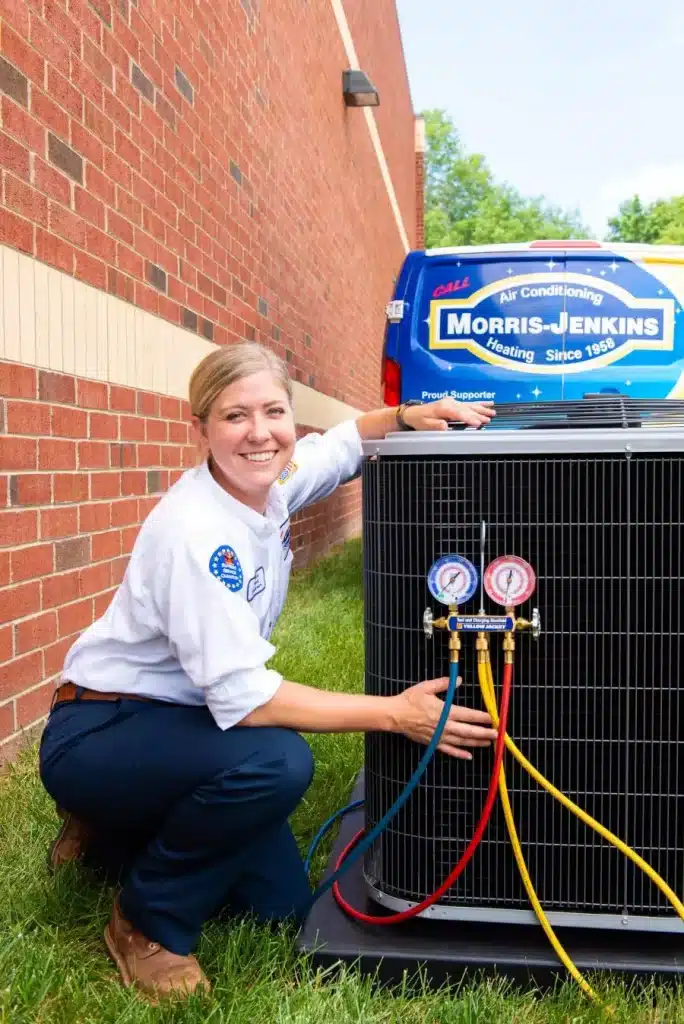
(486, 680)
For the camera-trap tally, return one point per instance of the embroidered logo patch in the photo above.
(256, 584)
(289, 471)
(224, 564)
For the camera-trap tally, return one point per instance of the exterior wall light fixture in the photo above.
(358, 90)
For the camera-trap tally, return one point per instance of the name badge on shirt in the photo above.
(256, 584)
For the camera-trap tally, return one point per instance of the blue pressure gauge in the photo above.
(452, 580)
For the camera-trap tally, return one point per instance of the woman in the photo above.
(169, 739)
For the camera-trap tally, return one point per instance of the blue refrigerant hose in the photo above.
(408, 789)
(325, 828)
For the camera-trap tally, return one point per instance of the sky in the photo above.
(581, 101)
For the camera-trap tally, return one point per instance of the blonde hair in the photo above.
(228, 364)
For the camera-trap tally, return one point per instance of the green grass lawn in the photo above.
(53, 967)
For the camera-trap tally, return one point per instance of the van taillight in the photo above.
(391, 379)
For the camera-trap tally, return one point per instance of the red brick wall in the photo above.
(195, 160)
(82, 464)
(377, 40)
(198, 160)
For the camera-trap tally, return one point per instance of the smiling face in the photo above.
(250, 432)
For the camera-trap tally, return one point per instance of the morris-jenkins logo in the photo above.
(542, 324)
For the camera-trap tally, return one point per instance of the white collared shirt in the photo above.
(205, 584)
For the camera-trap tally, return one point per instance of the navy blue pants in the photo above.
(198, 816)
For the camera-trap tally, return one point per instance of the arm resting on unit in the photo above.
(430, 416)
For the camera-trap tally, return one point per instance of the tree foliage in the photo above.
(464, 205)
(657, 223)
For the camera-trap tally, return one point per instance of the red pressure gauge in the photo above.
(509, 580)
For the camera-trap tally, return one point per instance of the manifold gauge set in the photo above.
(508, 580)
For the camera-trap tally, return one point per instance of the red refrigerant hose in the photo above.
(404, 915)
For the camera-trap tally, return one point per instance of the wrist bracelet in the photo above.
(401, 422)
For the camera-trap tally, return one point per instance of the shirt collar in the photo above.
(259, 524)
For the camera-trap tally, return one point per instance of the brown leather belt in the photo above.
(70, 692)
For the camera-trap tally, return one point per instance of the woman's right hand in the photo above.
(417, 710)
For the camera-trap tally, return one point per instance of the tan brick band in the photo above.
(55, 322)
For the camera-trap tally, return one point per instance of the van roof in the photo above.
(566, 245)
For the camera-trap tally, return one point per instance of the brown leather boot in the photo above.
(146, 964)
(72, 839)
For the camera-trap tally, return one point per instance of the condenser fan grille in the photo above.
(595, 411)
(597, 702)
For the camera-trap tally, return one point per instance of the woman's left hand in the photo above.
(438, 415)
(430, 416)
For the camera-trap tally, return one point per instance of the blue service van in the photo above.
(536, 321)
